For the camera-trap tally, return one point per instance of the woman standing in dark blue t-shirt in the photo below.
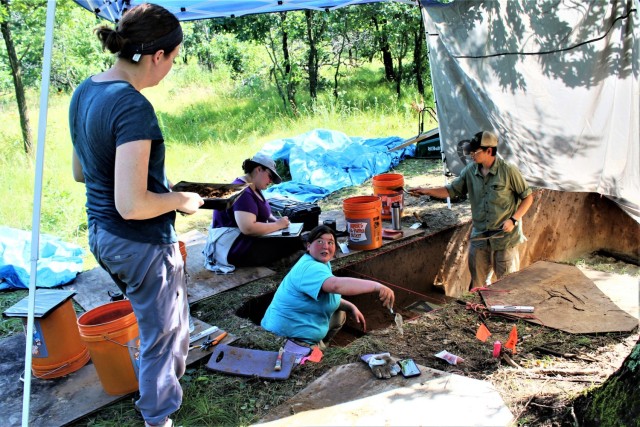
(119, 152)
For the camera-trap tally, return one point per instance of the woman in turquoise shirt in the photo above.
(308, 306)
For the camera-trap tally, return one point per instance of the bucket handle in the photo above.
(106, 338)
(43, 376)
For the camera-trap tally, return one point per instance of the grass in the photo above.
(211, 123)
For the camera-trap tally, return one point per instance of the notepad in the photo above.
(293, 230)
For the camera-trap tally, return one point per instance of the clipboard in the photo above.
(293, 230)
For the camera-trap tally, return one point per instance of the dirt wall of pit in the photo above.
(559, 226)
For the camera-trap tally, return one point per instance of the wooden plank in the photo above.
(351, 395)
(92, 287)
(418, 138)
(204, 283)
(563, 298)
(62, 400)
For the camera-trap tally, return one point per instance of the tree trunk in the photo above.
(16, 72)
(312, 60)
(399, 78)
(336, 75)
(383, 40)
(617, 401)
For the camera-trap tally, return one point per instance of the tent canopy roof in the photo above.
(189, 10)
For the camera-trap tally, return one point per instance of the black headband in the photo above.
(168, 42)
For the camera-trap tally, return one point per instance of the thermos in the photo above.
(331, 223)
(395, 216)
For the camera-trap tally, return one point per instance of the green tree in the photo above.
(6, 27)
(617, 401)
(316, 26)
(76, 52)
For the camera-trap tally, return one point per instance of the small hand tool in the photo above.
(206, 345)
(489, 234)
(278, 366)
(423, 224)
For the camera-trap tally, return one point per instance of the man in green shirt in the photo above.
(499, 198)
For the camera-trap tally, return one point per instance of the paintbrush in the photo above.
(278, 366)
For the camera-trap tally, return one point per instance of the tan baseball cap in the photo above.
(482, 139)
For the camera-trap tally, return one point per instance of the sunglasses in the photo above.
(471, 153)
(268, 171)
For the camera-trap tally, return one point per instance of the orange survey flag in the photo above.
(316, 354)
(483, 333)
(513, 339)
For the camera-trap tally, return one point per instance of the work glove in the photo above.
(382, 365)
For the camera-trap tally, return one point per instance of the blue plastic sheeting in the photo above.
(58, 262)
(323, 161)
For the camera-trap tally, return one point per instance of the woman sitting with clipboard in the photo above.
(236, 237)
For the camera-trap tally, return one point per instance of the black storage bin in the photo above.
(307, 213)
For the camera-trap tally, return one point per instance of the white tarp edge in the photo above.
(557, 80)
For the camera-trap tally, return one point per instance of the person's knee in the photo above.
(338, 319)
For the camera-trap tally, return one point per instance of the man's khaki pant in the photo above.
(483, 262)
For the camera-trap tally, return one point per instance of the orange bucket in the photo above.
(57, 347)
(111, 333)
(364, 223)
(388, 186)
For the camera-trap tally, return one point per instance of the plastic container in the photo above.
(306, 213)
(364, 222)
(57, 347)
(389, 187)
(66, 352)
(111, 334)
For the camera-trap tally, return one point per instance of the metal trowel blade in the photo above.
(398, 320)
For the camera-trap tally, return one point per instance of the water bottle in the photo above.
(395, 216)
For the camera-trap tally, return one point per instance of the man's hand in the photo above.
(417, 191)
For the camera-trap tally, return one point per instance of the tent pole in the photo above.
(435, 98)
(37, 201)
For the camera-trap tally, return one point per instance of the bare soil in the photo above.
(538, 383)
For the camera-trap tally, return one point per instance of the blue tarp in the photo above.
(58, 262)
(322, 161)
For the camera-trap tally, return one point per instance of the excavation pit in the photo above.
(430, 269)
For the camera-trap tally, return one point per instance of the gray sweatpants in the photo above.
(152, 277)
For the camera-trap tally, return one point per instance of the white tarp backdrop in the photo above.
(557, 80)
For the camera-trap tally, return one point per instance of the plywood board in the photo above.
(351, 395)
(563, 298)
(62, 400)
(92, 287)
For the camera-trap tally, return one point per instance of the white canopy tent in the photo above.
(557, 80)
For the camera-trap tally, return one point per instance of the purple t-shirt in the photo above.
(250, 202)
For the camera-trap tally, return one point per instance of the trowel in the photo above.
(398, 320)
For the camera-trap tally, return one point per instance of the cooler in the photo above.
(306, 213)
